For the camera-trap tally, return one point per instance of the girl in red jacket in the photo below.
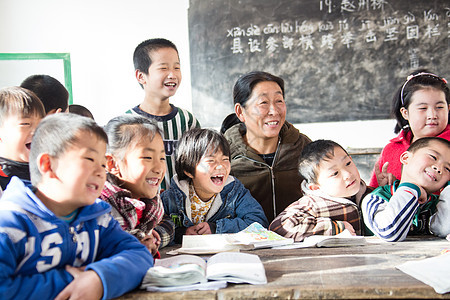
(421, 107)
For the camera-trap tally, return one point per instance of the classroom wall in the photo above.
(101, 36)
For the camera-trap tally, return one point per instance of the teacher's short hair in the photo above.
(244, 86)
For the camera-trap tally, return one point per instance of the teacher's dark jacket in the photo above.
(276, 186)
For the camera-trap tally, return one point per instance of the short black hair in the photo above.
(312, 155)
(243, 87)
(125, 132)
(80, 110)
(55, 134)
(19, 101)
(193, 146)
(49, 90)
(141, 56)
(425, 141)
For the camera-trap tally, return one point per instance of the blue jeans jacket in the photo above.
(238, 209)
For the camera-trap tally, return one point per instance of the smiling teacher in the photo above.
(265, 148)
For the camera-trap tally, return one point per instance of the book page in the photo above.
(175, 271)
(236, 267)
(258, 236)
(206, 244)
(343, 239)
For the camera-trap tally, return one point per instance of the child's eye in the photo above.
(348, 163)
(433, 157)
(163, 158)
(447, 169)
(334, 174)
(89, 158)
(147, 157)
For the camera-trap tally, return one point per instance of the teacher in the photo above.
(265, 148)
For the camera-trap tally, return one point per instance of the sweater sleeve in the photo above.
(119, 254)
(391, 220)
(13, 253)
(166, 230)
(440, 221)
(301, 219)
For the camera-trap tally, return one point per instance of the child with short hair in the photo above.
(80, 110)
(203, 198)
(157, 67)
(50, 91)
(56, 238)
(393, 211)
(332, 190)
(421, 108)
(20, 112)
(136, 164)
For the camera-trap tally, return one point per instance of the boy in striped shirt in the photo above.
(157, 69)
(409, 206)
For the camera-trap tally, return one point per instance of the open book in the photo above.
(181, 270)
(343, 239)
(253, 237)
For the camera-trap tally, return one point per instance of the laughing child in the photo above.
(332, 191)
(20, 113)
(57, 240)
(136, 164)
(203, 198)
(408, 206)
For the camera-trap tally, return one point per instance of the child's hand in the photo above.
(151, 243)
(383, 177)
(349, 227)
(202, 228)
(157, 238)
(85, 285)
(423, 196)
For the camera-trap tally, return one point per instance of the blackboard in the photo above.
(341, 60)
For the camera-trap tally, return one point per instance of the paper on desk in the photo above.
(343, 239)
(210, 285)
(431, 271)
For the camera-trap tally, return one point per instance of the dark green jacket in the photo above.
(276, 186)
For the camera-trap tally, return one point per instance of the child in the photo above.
(136, 164)
(390, 210)
(157, 66)
(332, 191)
(50, 91)
(56, 238)
(20, 112)
(80, 110)
(421, 107)
(203, 198)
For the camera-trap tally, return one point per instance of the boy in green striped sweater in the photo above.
(157, 69)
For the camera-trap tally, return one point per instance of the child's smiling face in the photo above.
(16, 133)
(338, 176)
(143, 167)
(428, 167)
(427, 114)
(211, 174)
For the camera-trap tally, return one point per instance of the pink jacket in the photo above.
(392, 151)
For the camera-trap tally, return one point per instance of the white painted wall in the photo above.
(101, 35)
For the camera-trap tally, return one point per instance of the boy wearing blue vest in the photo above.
(57, 240)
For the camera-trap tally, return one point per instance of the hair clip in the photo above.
(417, 75)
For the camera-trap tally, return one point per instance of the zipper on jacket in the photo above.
(272, 174)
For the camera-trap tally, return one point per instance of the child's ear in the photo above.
(45, 165)
(313, 186)
(405, 157)
(238, 109)
(189, 175)
(112, 166)
(140, 77)
(404, 113)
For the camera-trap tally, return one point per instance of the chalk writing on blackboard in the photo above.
(341, 60)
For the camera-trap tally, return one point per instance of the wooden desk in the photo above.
(330, 273)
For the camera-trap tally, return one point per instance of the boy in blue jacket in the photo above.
(203, 198)
(57, 240)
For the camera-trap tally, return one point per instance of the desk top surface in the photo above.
(345, 272)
